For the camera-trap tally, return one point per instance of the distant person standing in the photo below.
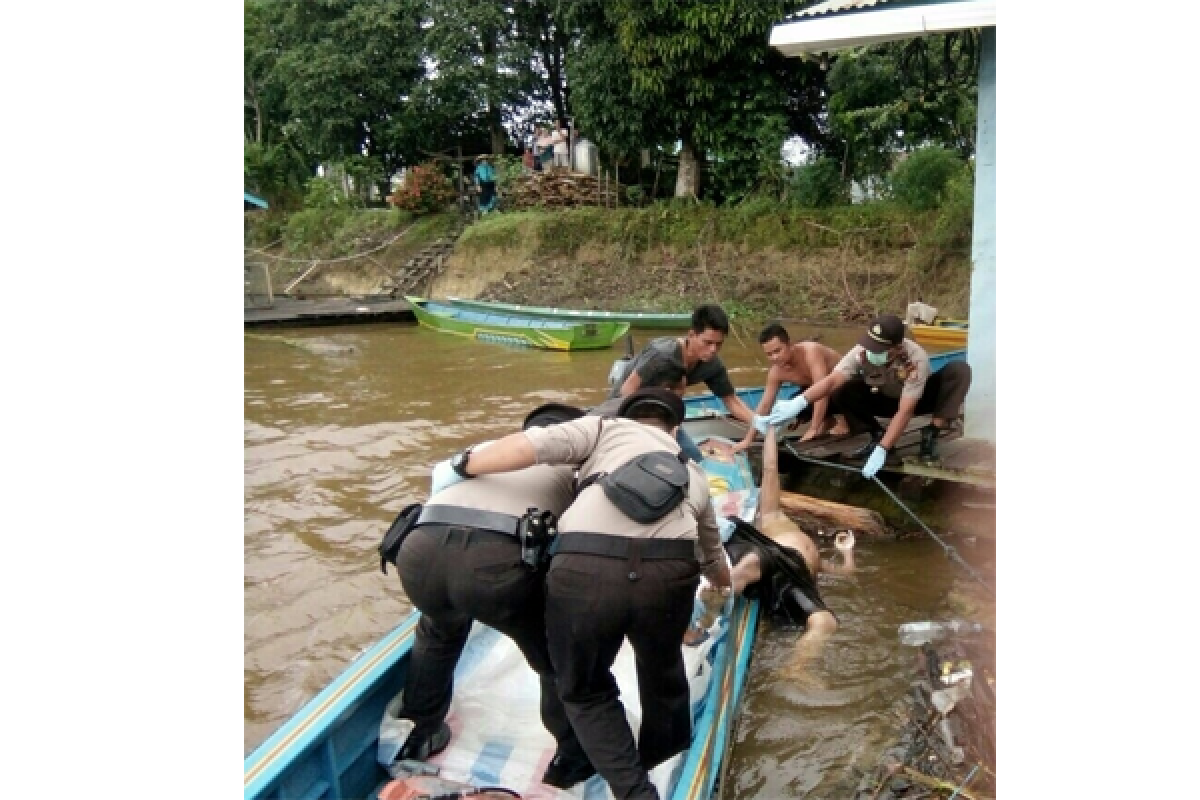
(485, 176)
(562, 148)
(527, 160)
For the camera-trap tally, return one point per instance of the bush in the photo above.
(425, 190)
(919, 182)
(325, 193)
(957, 212)
(820, 185)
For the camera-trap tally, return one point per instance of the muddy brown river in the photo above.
(342, 426)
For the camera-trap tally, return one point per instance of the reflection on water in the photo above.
(338, 440)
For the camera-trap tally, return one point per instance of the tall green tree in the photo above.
(901, 95)
(348, 68)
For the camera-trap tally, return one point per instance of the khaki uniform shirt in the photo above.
(547, 488)
(903, 376)
(603, 445)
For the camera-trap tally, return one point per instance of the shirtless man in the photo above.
(802, 364)
(754, 568)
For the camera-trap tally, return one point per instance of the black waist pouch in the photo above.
(648, 486)
(389, 548)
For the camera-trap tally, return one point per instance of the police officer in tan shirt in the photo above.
(462, 562)
(612, 578)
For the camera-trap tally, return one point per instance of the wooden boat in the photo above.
(515, 330)
(707, 405)
(328, 749)
(638, 319)
(942, 333)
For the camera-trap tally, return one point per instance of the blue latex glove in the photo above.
(878, 456)
(785, 410)
(726, 528)
(443, 477)
(687, 445)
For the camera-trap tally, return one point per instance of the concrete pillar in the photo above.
(980, 406)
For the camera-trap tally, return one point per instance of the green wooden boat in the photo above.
(511, 329)
(638, 319)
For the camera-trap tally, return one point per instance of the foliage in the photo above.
(426, 189)
(957, 213)
(819, 184)
(901, 95)
(919, 181)
(326, 193)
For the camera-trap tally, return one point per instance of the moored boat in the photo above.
(516, 330)
(942, 333)
(637, 319)
(329, 748)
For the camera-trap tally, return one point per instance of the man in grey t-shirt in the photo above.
(696, 353)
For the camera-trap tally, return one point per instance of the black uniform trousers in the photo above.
(592, 604)
(943, 397)
(455, 575)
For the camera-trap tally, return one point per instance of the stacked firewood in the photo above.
(560, 188)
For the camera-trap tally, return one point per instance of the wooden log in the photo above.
(826, 514)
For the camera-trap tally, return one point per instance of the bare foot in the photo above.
(810, 434)
(840, 428)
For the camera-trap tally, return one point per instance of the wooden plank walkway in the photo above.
(968, 461)
(290, 312)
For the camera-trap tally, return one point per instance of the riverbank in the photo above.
(759, 260)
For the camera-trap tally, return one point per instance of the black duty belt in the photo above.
(600, 544)
(470, 518)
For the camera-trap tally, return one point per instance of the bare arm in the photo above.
(770, 392)
(768, 495)
(826, 386)
(631, 384)
(738, 409)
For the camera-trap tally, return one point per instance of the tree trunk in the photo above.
(827, 515)
(495, 129)
(687, 181)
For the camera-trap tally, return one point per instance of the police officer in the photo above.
(463, 562)
(612, 577)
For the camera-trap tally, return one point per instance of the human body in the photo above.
(485, 176)
(802, 364)
(612, 578)
(697, 353)
(886, 375)
(789, 594)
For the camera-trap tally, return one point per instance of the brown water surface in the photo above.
(342, 426)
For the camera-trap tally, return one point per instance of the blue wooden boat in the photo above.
(328, 748)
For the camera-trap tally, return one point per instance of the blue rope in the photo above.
(970, 775)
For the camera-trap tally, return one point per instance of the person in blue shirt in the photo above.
(485, 176)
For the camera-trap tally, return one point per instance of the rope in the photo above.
(951, 553)
(388, 243)
(963, 785)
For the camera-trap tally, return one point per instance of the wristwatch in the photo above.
(459, 463)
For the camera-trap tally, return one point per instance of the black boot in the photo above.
(928, 451)
(865, 450)
(418, 747)
(566, 770)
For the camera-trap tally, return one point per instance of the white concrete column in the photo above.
(980, 406)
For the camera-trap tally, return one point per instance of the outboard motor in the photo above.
(617, 372)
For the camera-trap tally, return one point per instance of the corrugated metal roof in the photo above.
(830, 6)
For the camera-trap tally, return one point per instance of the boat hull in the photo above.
(637, 319)
(948, 335)
(328, 748)
(516, 331)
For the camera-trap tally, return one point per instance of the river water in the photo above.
(341, 428)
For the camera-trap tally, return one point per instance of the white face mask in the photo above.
(878, 359)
